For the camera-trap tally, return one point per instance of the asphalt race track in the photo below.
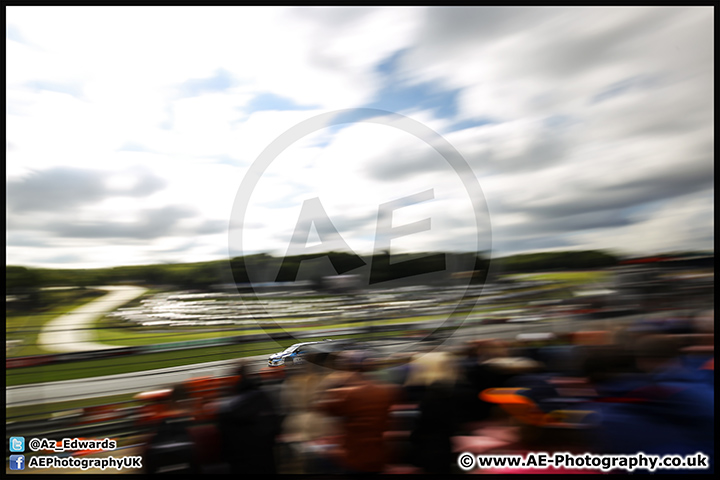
(72, 332)
(51, 392)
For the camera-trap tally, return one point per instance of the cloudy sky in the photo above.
(142, 135)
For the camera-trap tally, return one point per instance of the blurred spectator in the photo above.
(607, 364)
(704, 322)
(549, 419)
(363, 407)
(302, 424)
(249, 423)
(171, 448)
(271, 380)
(336, 371)
(489, 366)
(668, 409)
(393, 369)
(432, 381)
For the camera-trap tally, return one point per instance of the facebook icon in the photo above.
(17, 462)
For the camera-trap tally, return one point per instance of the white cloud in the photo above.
(683, 225)
(597, 114)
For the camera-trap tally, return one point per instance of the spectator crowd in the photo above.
(646, 387)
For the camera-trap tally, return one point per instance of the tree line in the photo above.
(266, 268)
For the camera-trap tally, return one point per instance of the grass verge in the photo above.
(26, 327)
(150, 361)
(571, 278)
(132, 363)
(138, 363)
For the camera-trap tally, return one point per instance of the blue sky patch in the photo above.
(397, 96)
(222, 80)
(227, 160)
(269, 101)
(133, 147)
(13, 33)
(74, 89)
(638, 82)
(469, 123)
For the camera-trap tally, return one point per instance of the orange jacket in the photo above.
(363, 408)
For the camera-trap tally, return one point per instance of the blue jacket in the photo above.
(668, 412)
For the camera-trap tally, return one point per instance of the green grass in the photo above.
(135, 336)
(43, 411)
(116, 333)
(138, 337)
(112, 331)
(150, 361)
(571, 278)
(27, 326)
(128, 364)
(138, 363)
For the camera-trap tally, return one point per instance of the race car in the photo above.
(293, 354)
